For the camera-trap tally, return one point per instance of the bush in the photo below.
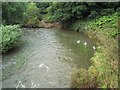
(106, 12)
(103, 72)
(109, 21)
(31, 15)
(33, 22)
(118, 9)
(81, 78)
(93, 14)
(10, 35)
(12, 12)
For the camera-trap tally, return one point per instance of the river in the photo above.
(45, 58)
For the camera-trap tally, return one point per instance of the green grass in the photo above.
(103, 72)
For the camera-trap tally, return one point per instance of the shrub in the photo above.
(31, 15)
(12, 12)
(93, 14)
(81, 78)
(106, 11)
(103, 72)
(10, 35)
(118, 9)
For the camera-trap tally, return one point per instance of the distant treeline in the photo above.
(32, 13)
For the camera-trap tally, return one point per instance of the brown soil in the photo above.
(50, 25)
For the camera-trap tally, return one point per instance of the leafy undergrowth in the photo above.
(10, 35)
(106, 24)
(103, 72)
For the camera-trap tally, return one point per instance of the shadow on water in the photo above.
(13, 51)
(46, 58)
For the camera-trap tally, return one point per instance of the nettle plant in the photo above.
(10, 35)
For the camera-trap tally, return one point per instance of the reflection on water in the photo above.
(46, 58)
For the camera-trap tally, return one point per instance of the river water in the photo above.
(45, 58)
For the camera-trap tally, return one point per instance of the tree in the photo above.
(31, 15)
(43, 7)
(65, 11)
(12, 12)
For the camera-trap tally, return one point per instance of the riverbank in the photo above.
(103, 72)
(42, 24)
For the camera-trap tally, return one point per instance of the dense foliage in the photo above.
(12, 12)
(43, 7)
(104, 69)
(55, 11)
(10, 35)
(109, 21)
(64, 11)
(31, 15)
(98, 20)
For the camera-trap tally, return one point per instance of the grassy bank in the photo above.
(103, 72)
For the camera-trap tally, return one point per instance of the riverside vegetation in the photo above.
(97, 20)
(10, 36)
(104, 69)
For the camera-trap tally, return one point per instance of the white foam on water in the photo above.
(34, 85)
(40, 65)
(52, 82)
(20, 84)
(47, 68)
